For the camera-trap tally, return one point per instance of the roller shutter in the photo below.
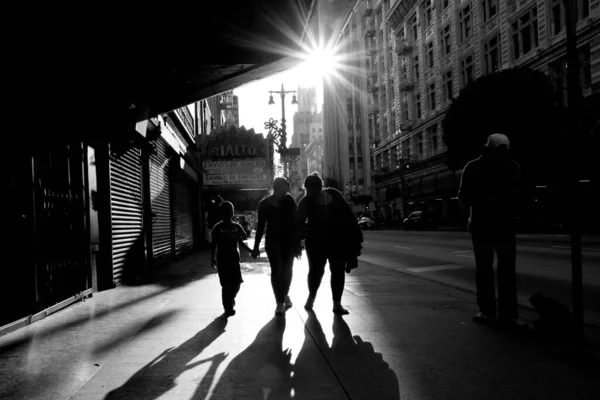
(126, 214)
(183, 212)
(160, 194)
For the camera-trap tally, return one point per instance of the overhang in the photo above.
(103, 63)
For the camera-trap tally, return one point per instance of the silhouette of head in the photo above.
(497, 146)
(313, 184)
(280, 186)
(226, 210)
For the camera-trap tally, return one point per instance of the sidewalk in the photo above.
(405, 338)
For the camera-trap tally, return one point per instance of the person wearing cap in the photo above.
(489, 190)
(331, 234)
(277, 212)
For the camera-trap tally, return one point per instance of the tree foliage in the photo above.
(518, 102)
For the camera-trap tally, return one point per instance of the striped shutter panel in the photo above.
(126, 212)
(183, 215)
(160, 201)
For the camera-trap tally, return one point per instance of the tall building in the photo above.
(308, 124)
(418, 56)
(346, 155)
(314, 156)
(224, 109)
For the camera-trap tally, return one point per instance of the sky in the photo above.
(253, 99)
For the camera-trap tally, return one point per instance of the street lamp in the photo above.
(280, 133)
(403, 164)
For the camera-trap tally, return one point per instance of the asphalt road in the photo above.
(543, 262)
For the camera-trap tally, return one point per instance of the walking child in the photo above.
(226, 235)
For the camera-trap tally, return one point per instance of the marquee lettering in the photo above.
(237, 150)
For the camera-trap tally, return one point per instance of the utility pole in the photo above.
(572, 184)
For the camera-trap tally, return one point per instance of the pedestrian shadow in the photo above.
(261, 371)
(361, 371)
(159, 375)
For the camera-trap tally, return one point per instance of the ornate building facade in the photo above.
(420, 54)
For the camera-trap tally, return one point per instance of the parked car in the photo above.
(420, 220)
(367, 223)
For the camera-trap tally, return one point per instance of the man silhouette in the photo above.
(489, 189)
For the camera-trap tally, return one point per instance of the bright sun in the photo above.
(320, 63)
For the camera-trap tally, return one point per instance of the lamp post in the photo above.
(281, 134)
(403, 164)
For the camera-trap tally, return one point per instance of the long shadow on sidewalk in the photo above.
(360, 370)
(159, 375)
(261, 371)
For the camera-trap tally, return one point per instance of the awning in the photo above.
(444, 180)
(428, 184)
(358, 208)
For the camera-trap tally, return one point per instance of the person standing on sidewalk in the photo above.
(226, 236)
(277, 212)
(489, 189)
(332, 234)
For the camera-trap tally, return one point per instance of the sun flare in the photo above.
(320, 63)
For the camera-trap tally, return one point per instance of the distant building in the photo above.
(418, 56)
(314, 156)
(224, 110)
(308, 124)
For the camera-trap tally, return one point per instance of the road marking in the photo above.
(462, 251)
(569, 247)
(434, 268)
(465, 255)
(402, 247)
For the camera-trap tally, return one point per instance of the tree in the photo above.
(518, 102)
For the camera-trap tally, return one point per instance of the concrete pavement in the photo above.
(543, 263)
(405, 338)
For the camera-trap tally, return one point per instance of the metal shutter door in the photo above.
(183, 215)
(126, 212)
(160, 201)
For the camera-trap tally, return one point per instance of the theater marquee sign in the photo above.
(236, 158)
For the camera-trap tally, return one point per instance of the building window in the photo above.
(393, 91)
(433, 139)
(429, 55)
(489, 9)
(414, 28)
(416, 66)
(420, 144)
(445, 4)
(465, 23)
(406, 149)
(585, 68)
(418, 110)
(557, 9)
(431, 97)
(447, 82)
(525, 33)
(321, 129)
(583, 9)
(491, 54)
(428, 13)
(405, 107)
(446, 42)
(466, 70)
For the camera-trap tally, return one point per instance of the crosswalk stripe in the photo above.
(434, 268)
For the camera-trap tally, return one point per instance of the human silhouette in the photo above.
(489, 189)
(226, 237)
(331, 234)
(277, 212)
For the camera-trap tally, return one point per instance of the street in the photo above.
(543, 263)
